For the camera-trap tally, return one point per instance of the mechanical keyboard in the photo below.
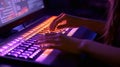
(24, 46)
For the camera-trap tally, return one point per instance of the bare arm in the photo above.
(74, 21)
(94, 25)
(105, 53)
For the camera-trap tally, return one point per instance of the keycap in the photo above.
(35, 53)
(23, 56)
(12, 54)
(30, 49)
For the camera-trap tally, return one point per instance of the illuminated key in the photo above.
(35, 53)
(1, 50)
(5, 47)
(72, 31)
(44, 55)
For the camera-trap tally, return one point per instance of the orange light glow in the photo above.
(38, 28)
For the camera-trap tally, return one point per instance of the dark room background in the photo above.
(95, 9)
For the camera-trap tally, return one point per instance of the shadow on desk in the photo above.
(72, 60)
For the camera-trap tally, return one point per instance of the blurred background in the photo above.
(94, 9)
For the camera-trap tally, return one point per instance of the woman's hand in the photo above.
(65, 20)
(62, 42)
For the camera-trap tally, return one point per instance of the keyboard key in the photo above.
(35, 53)
(34, 47)
(29, 52)
(1, 50)
(17, 52)
(24, 45)
(30, 49)
(23, 56)
(20, 47)
(20, 50)
(12, 54)
(26, 54)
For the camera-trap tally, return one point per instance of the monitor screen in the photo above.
(12, 10)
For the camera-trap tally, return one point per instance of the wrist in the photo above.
(83, 46)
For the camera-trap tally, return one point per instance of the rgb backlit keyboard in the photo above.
(25, 47)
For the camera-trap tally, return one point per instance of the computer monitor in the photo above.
(16, 12)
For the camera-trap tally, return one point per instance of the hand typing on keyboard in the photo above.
(61, 42)
(48, 39)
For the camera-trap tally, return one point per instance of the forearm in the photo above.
(94, 25)
(103, 52)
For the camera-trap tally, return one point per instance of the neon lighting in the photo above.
(72, 31)
(44, 55)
